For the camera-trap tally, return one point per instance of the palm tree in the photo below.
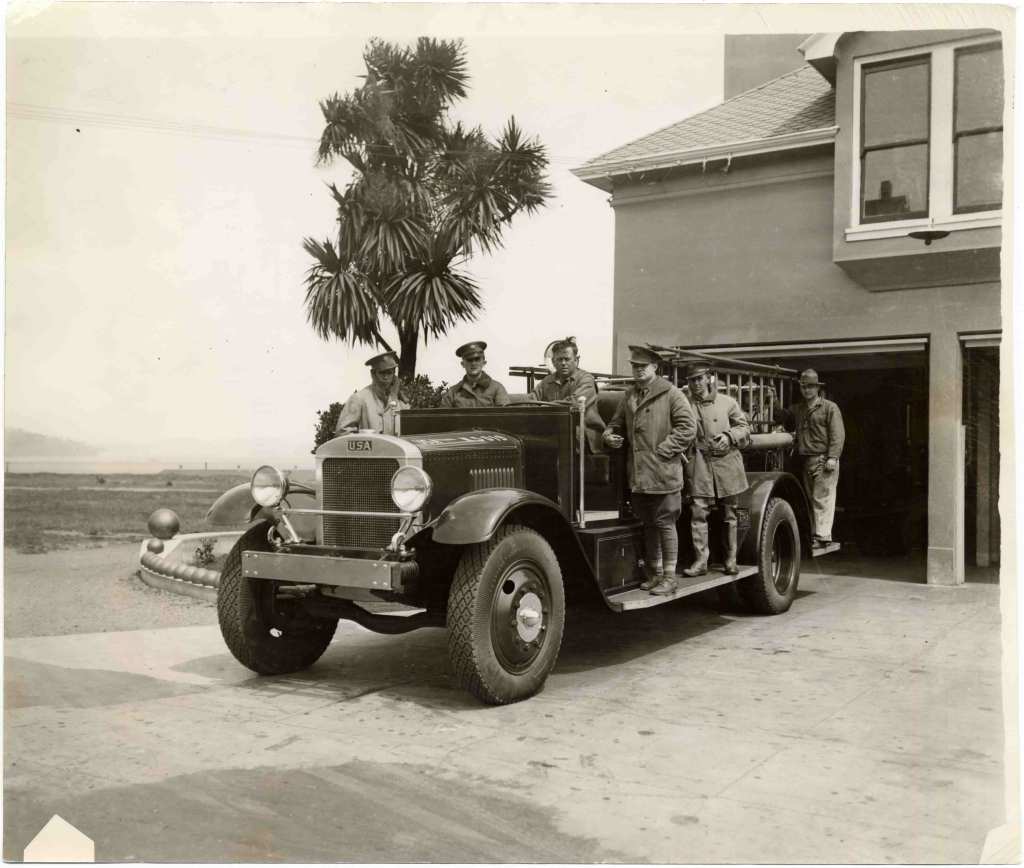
(427, 194)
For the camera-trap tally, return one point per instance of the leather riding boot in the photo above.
(666, 586)
(699, 534)
(729, 526)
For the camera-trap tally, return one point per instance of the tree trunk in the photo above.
(409, 340)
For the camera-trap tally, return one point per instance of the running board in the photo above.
(827, 550)
(635, 598)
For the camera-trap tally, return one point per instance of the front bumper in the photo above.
(345, 574)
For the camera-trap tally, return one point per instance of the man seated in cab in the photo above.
(715, 472)
(476, 388)
(567, 384)
(656, 424)
(373, 407)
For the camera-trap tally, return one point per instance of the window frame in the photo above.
(896, 63)
(941, 157)
(959, 52)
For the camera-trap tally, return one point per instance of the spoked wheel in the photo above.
(773, 589)
(263, 628)
(506, 614)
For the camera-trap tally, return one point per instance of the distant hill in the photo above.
(19, 443)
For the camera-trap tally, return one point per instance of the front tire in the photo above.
(773, 589)
(506, 616)
(269, 635)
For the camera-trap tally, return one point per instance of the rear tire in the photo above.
(506, 616)
(268, 635)
(772, 590)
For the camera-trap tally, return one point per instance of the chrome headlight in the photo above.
(410, 488)
(269, 486)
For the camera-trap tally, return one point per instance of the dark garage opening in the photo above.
(882, 498)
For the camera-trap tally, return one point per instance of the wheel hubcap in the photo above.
(519, 616)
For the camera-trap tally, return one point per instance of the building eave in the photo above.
(602, 174)
(819, 50)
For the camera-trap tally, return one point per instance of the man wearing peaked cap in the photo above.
(820, 436)
(476, 388)
(655, 423)
(715, 472)
(374, 407)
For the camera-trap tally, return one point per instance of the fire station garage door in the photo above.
(881, 386)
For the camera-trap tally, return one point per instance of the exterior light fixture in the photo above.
(928, 235)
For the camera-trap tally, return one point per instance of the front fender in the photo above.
(236, 508)
(474, 517)
(764, 486)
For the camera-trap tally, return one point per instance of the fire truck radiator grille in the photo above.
(364, 485)
(492, 477)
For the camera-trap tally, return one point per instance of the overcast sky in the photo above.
(154, 265)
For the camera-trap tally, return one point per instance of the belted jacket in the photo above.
(658, 427)
(714, 473)
(485, 392)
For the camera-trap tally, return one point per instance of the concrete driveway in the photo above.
(863, 726)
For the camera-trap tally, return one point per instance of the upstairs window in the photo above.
(978, 129)
(928, 138)
(894, 140)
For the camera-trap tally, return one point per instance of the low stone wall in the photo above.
(170, 569)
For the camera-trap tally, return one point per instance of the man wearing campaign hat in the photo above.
(655, 422)
(476, 388)
(820, 436)
(375, 406)
(715, 473)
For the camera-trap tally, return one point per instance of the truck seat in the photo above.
(608, 402)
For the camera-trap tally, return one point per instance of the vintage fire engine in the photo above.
(484, 522)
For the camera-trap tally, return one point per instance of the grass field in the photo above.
(47, 511)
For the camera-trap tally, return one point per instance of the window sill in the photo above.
(900, 228)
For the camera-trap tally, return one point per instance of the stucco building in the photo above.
(844, 215)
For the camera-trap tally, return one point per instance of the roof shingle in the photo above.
(798, 101)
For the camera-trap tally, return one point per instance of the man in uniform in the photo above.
(715, 472)
(567, 384)
(819, 443)
(656, 422)
(476, 388)
(374, 407)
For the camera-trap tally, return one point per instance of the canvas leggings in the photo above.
(821, 488)
(659, 514)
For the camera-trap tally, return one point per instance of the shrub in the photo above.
(417, 392)
(203, 555)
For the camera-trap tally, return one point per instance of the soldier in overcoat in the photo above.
(373, 407)
(656, 423)
(477, 388)
(715, 471)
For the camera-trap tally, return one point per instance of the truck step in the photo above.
(624, 601)
(827, 550)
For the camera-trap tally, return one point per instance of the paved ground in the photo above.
(863, 726)
(92, 590)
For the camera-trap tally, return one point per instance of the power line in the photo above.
(85, 117)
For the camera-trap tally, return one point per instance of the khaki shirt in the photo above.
(580, 385)
(365, 409)
(818, 426)
(485, 392)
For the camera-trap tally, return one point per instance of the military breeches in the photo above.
(659, 514)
